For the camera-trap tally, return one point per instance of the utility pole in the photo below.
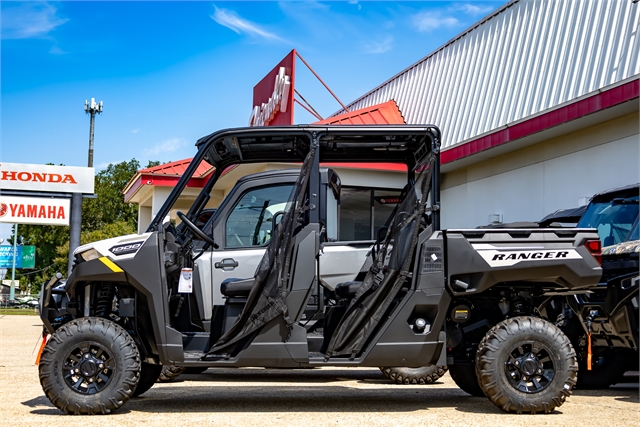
(12, 288)
(92, 109)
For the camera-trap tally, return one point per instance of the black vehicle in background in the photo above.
(607, 317)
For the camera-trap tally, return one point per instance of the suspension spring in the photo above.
(105, 300)
(519, 306)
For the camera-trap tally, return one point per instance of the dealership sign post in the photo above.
(34, 210)
(25, 256)
(41, 195)
(61, 179)
(273, 96)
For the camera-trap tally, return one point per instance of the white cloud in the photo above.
(136, 130)
(472, 9)
(55, 50)
(379, 46)
(427, 21)
(231, 20)
(166, 146)
(29, 20)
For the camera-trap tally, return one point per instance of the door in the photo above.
(245, 230)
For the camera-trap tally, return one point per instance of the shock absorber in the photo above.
(105, 300)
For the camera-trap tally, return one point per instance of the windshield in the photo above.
(614, 220)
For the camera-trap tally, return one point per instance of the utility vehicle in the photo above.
(138, 302)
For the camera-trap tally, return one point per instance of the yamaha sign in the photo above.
(34, 210)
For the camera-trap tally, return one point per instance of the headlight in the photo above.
(90, 254)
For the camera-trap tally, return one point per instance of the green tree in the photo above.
(46, 239)
(109, 206)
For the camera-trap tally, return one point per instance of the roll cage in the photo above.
(406, 144)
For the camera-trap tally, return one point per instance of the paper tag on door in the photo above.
(185, 285)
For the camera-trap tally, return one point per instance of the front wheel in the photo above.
(464, 375)
(526, 365)
(89, 366)
(422, 375)
(149, 373)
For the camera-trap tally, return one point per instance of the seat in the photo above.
(347, 289)
(235, 288)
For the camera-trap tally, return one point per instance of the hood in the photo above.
(117, 247)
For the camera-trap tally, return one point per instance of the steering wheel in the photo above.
(201, 234)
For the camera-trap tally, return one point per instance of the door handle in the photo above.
(227, 264)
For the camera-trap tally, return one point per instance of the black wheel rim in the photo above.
(529, 367)
(88, 368)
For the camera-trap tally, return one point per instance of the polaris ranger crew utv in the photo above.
(139, 303)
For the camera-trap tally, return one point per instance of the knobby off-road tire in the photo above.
(170, 373)
(526, 365)
(423, 375)
(149, 373)
(89, 366)
(464, 375)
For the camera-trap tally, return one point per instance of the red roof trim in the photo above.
(386, 113)
(581, 108)
(391, 167)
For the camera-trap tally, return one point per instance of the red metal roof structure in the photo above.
(167, 175)
(386, 113)
(177, 168)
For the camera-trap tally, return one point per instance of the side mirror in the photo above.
(275, 220)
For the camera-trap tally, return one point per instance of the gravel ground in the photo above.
(261, 397)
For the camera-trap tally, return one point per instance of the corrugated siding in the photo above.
(528, 58)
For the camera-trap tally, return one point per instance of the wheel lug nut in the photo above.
(86, 356)
(539, 371)
(90, 380)
(77, 370)
(101, 366)
(517, 363)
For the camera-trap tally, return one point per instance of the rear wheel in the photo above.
(170, 373)
(464, 375)
(89, 366)
(526, 365)
(422, 375)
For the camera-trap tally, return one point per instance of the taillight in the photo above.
(595, 249)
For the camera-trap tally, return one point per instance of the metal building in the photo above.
(538, 105)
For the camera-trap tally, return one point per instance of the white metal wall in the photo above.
(532, 192)
(529, 57)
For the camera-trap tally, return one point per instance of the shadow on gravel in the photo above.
(49, 409)
(243, 375)
(306, 398)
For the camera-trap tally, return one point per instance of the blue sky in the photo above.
(172, 72)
